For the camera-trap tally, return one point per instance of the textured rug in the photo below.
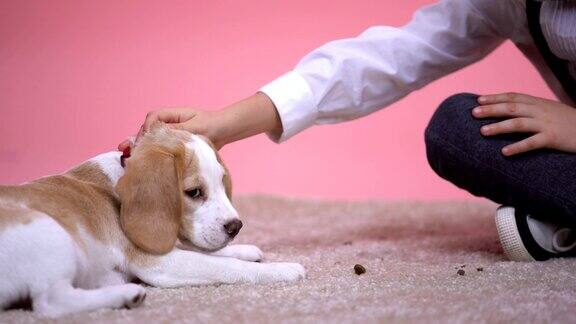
(411, 251)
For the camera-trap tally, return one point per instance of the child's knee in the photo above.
(452, 120)
(451, 126)
(453, 113)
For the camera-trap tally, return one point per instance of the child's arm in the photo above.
(353, 77)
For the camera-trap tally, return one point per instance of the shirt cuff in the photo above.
(294, 102)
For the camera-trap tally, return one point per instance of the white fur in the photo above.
(182, 268)
(241, 251)
(217, 210)
(41, 260)
(109, 163)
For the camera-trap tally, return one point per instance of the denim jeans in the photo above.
(541, 183)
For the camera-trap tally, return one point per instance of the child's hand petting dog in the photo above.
(196, 121)
(251, 116)
(552, 123)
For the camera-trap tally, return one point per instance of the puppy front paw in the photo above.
(283, 272)
(244, 252)
(248, 252)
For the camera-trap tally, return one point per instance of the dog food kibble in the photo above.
(359, 269)
(461, 272)
(480, 269)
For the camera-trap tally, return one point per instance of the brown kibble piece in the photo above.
(461, 272)
(359, 269)
(480, 269)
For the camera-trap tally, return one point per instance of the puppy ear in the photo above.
(151, 195)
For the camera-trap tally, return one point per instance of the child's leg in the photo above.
(542, 182)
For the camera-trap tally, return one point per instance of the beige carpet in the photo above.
(411, 252)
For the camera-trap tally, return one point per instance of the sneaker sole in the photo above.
(510, 237)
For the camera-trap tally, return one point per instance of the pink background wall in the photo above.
(76, 77)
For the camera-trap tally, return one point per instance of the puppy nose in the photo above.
(233, 227)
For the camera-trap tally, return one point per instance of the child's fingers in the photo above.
(181, 126)
(169, 116)
(514, 125)
(506, 97)
(508, 109)
(165, 115)
(531, 143)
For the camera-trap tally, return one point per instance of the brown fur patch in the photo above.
(151, 191)
(91, 173)
(72, 199)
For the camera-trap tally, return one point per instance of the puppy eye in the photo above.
(194, 193)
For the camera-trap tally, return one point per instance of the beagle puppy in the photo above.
(74, 242)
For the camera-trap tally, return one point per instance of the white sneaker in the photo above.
(525, 238)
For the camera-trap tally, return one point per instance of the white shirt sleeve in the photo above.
(350, 78)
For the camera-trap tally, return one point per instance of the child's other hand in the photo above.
(553, 124)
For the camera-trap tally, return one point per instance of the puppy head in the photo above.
(175, 186)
